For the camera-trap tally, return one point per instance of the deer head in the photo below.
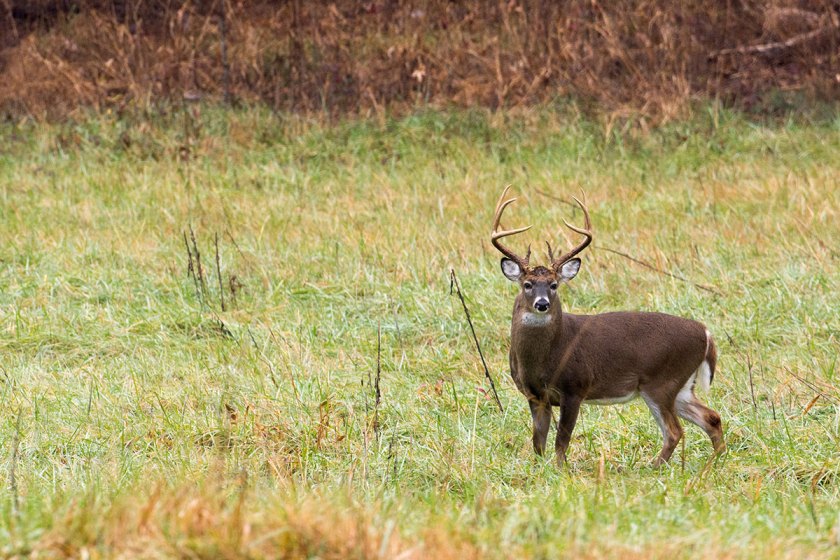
(538, 284)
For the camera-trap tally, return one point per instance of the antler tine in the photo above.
(496, 213)
(496, 235)
(550, 253)
(587, 231)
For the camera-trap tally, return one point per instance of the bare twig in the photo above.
(804, 228)
(13, 487)
(189, 257)
(219, 274)
(455, 395)
(235, 244)
(454, 284)
(376, 380)
(812, 386)
(223, 45)
(266, 360)
(199, 270)
(659, 270)
(223, 328)
(555, 198)
(298, 55)
(392, 458)
(291, 373)
(13, 24)
(778, 45)
(191, 267)
(397, 325)
(185, 150)
(752, 387)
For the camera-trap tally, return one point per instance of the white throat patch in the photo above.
(536, 319)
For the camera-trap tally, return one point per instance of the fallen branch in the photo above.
(555, 198)
(659, 270)
(453, 283)
(777, 45)
(813, 386)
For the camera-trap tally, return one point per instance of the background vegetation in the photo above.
(648, 59)
(142, 417)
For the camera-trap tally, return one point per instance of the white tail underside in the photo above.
(702, 376)
(704, 372)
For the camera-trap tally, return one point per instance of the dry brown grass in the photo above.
(208, 521)
(644, 57)
(212, 522)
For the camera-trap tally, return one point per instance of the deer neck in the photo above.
(534, 343)
(537, 329)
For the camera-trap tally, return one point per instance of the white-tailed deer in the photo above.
(561, 359)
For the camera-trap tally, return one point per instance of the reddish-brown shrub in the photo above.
(646, 56)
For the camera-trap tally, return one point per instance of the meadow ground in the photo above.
(140, 418)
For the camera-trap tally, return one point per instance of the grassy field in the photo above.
(141, 418)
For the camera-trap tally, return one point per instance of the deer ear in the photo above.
(511, 269)
(569, 269)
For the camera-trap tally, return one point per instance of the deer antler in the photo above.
(587, 231)
(496, 235)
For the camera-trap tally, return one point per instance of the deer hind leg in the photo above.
(666, 418)
(691, 409)
(541, 415)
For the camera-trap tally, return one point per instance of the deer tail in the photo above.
(706, 371)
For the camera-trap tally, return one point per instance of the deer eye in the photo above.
(553, 286)
(527, 285)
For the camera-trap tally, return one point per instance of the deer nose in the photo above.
(541, 305)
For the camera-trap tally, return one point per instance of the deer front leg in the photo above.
(568, 418)
(541, 415)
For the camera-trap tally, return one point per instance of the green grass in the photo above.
(151, 423)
